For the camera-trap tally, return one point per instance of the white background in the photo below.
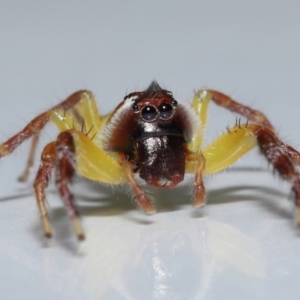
(243, 244)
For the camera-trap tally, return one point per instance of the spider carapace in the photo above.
(151, 135)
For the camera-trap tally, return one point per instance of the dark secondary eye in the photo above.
(135, 107)
(149, 113)
(166, 111)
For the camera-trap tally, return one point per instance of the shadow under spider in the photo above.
(115, 201)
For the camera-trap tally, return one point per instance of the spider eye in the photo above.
(149, 113)
(135, 107)
(166, 111)
(174, 103)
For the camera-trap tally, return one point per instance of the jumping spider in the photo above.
(150, 134)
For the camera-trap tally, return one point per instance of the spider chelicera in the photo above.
(148, 134)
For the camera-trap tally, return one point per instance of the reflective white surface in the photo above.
(243, 244)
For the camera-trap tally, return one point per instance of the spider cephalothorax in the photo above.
(149, 134)
(152, 129)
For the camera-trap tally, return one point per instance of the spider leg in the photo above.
(252, 115)
(195, 161)
(34, 127)
(30, 160)
(274, 151)
(92, 161)
(292, 153)
(141, 198)
(239, 140)
(198, 162)
(64, 171)
(58, 155)
(230, 104)
(41, 182)
(200, 105)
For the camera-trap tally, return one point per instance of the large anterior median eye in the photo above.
(149, 113)
(165, 111)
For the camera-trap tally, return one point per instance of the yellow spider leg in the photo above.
(88, 111)
(88, 114)
(96, 164)
(91, 161)
(200, 106)
(83, 106)
(228, 148)
(63, 120)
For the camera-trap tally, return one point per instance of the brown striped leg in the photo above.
(199, 189)
(64, 171)
(41, 182)
(275, 152)
(34, 127)
(228, 103)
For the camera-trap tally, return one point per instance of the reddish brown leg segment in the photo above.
(199, 189)
(41, 182)
(142, 199)
(251, 114)
(34, 127)
(292, 153)
(61, 156)
(275, 152)
(65, 169)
